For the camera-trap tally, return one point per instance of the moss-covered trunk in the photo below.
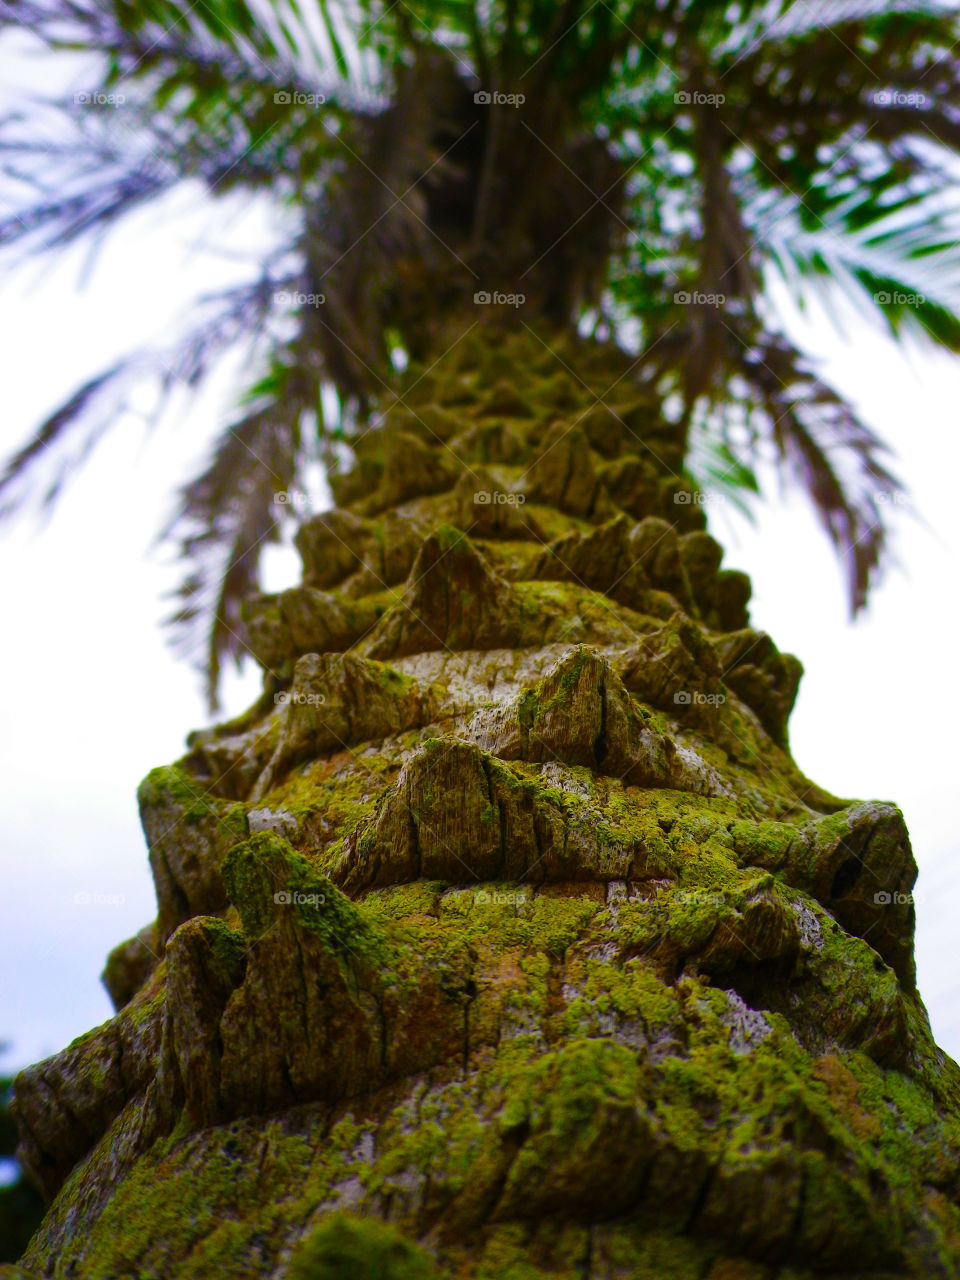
(505, 918)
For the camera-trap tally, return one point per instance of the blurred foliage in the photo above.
(21, 1207)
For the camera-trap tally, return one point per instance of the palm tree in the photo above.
(502, 936)
(637, 163)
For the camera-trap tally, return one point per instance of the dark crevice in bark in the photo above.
(600, 743)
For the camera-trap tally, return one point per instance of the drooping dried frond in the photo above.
(228, 514)
(823, 446)
(46, 462)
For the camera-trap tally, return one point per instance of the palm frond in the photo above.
(41, 467)
(226, 516)
(897, 259)
(65, 439)
(823, 446)
(720, 465)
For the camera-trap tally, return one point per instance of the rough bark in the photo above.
(503, 938)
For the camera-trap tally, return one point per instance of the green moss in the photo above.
(551, 607)
(764, 844)
(139, 1011)
(342, 798)
(645, 1250)
(632, 993)
(346, 1247)
(265, 875)
(190, 1208)
(227, 946)
(399, 901)
(392, 680)
(448, 538)
(172, 784)
(509, 1253)
(550, 925)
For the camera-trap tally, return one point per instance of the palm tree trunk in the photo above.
(505, 918)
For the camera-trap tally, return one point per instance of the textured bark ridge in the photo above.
(503, 939)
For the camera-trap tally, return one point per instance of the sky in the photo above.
(94, 699)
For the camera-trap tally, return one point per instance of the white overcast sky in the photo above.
(93, 699)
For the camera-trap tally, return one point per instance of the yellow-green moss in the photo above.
(345, 1247)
